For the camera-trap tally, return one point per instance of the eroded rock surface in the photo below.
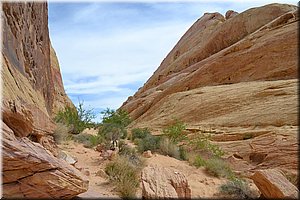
(31, 171)
(235, 78)
(273, 184)
(163, 183)
(32, 93)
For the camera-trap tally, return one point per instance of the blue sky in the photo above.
(107, 50)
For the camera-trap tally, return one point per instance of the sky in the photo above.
(107, 50)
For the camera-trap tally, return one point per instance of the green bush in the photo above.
(77, 119)
(203, 143)
(167, 147)
(237, 188)
(217, 167)
(183, 153)
(114, 124)
(199, 161)
(175, 131)
(150, 142)
(96, 139)
(83, 138)
(124, 175)
(140, 133)
(61, 133)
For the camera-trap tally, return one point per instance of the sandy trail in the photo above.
(202, 184)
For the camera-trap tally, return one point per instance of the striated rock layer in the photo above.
(32, 93)
(234, 77)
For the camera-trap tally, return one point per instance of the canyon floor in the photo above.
(202, 184)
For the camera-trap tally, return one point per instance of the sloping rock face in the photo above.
(236, 79)
(32, 93)
(30, 171)
(164, 183)
(273, 184)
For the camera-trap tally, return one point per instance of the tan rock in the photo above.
(101, 173)
(273, 184)
(147, 154)
(239, 75)
(230, 13)
(160, 182)
(31, 171)
(68, 158)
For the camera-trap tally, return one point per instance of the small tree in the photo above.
(114, 124)
(77, 119)
(175, 131)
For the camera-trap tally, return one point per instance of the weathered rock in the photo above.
(230, 13)
(147, 154)
(273, 184)
(101, 173)
(163, 183)
(32, 85)
(31, 171)
(32, 93)
(66, 157)
(239, 75)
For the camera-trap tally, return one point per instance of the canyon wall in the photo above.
(234, 77)
(32, 92)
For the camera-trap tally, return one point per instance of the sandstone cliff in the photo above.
(32, 92)
(234, 76)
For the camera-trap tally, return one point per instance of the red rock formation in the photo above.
(164, 183)
(32, 93)
(274, 185)
(235, 78)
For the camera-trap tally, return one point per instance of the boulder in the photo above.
(273, 184)
(31, 171)
(230, 13)
(163, 183)
(147, 154)
(68, 158)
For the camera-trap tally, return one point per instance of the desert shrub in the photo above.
(114, 124)
(175, 131)
(199, 161)
(77, 119)
(95, 140)
(124, 175)
(139, 133)
(150, 142)
(167, 147)
(237, 188)
(61, 133)
(203, 143)
(219, 168)
(183, 155)
(84, 138)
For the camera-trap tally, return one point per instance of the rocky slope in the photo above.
(236, 78)
(32, 93)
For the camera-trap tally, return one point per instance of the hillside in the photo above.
(233, 77)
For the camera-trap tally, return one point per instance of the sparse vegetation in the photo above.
(114, 124)
(248, 136)
(77, 119)
(167, 147)
(175, 131)
(217, 167)
(61, 133)
(150, 142)
(203, 143)
(237, 188)
(199, 161)
(124, 174)
(140, 133)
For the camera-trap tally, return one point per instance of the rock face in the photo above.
(32, 93)
(273, 184)
(236, 78)
(30, 171)
(164, 183)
